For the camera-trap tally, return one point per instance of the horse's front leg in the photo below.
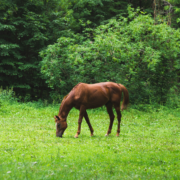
(81, 114)
(88, 122)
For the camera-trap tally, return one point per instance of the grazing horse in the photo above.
(87, 96)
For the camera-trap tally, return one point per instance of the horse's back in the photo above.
(95, 95)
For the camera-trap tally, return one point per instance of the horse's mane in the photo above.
(67, 96)
(75, 86)
(63, 102)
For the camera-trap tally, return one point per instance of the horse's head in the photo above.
(61, 125)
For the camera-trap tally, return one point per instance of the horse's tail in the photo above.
(125, 98)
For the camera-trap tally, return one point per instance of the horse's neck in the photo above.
(65, 107)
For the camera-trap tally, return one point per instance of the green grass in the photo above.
(148, 146)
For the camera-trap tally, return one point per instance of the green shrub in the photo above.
(133, 51)
(173, 98)
(7, 94)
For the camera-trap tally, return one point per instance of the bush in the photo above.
(7, 94)
(134, 51)
(173, 98)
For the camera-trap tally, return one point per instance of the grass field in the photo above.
(148, 146)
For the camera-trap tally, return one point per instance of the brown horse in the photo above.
(87, 96)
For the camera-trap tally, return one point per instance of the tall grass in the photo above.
(148, 146)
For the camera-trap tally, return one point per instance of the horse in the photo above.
(88, 96)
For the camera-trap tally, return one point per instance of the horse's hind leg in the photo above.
(117, 108)
(88, 122)
(111, 115)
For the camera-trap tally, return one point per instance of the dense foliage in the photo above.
(139, 54)
(25, 28)
(91, 41)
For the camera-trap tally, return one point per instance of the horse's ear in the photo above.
(56, 117)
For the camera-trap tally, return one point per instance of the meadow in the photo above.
(148, 146)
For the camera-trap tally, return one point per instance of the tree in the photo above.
(26, 27)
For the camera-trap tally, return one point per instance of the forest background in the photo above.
(47, 47)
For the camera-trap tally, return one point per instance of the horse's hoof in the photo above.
(106, 134)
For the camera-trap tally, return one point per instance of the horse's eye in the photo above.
(58, 125)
